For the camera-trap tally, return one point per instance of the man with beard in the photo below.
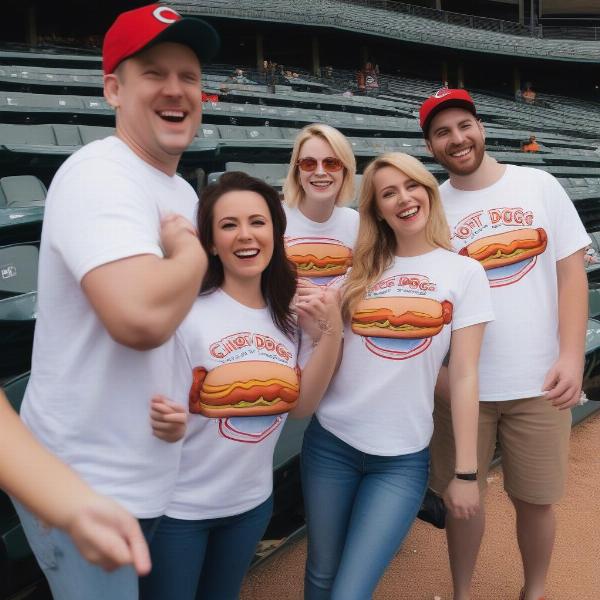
(120, 267)
(522, 227)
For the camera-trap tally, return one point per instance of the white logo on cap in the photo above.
(159, 15)
(441, 92)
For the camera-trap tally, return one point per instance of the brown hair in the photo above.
(278, 280)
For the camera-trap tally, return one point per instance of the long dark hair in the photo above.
(278, 280)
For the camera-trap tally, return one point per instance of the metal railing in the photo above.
(570, 33)
(452, 18)
(484, 23)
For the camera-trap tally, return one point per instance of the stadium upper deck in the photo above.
(390, 20)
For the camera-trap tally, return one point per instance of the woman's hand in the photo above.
(462, 498)
(168, 419)
(318, 310)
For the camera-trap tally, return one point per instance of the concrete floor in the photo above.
(420, 571)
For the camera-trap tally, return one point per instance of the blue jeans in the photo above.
(204, 559)
(69, 575)
(359, 508)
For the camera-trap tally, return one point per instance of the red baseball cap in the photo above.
(137, 29)
(442, 99)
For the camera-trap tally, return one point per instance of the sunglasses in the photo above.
(330, 164)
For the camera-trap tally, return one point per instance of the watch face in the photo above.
(466, 476)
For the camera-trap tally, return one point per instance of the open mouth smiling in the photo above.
(172, 116)
(247, 253)
(408, 213)
(461, 153)
(321, 185)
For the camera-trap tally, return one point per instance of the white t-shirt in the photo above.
(88, 398)
(521, 345)
(381, 399)
(227, 463)
(322, 251)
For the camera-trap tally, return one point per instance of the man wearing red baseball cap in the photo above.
(120, 266)
(521, 226)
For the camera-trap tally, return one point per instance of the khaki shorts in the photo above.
(534, 439)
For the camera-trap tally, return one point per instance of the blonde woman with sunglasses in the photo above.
(365, 457)
(320, 231)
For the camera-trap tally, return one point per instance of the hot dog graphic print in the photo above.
(508, 256)
(400, 327)
(244, 389)
(246, 394)
(322, 260)
(504, 239)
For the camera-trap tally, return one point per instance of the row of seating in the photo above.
(82, 107)
(61, 139)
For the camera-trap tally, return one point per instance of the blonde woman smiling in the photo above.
(320, 231)
(365, 455)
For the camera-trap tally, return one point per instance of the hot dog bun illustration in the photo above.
(244, 389)
(320, 259)
(401, 317)
(507, 248)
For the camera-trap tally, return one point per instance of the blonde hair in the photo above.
(375, 246)
(292, 190)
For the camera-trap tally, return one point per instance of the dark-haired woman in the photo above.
(241, 375)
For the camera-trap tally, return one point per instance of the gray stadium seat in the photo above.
(18, 269)
(90, 133)
(67, 135)
(34, 135)
(214, 177)
(20, 191)
(273, 174)
(594, 302)
(208, 132)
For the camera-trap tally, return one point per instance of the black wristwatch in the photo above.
(466, 476)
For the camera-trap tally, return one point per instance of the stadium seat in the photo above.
(67, 135)
(18, 269)
(33, 135)
(214, 177)
(21, 191)
(273, 174)
(90, 133)
(594, 301)
(208, 132)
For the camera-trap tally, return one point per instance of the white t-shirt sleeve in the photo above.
(567, 229)
(100, 214)
(474, 305)
(182, 371)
